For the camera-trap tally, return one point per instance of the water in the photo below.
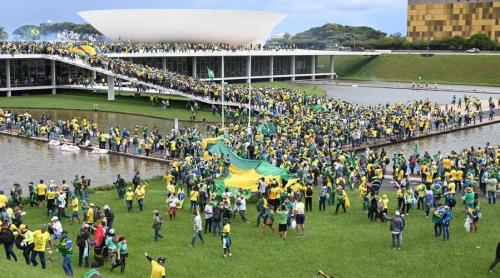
(24, 161)
(455, 141)
(373, 96)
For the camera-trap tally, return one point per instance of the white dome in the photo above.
(179, 25)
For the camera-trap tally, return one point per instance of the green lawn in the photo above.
(451, 69)
(123, 103)
(306, 89)
(343, 245)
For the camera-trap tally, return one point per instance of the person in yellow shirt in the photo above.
(226, 237)
(40, 238)
(194, 196)
(90, 214)
(41, 191)
(157, 267)
(3, 200)
(129, 198)
(74, 209)
(140, 191)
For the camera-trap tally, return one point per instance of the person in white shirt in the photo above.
(209, 213)
(172, 203)
(241, 206)
(57, 228)
(299, 217)
(197, 228)
(61, 205)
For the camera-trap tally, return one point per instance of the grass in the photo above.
(450, 69)
(342, 245)
(306, 89)
(123, 103)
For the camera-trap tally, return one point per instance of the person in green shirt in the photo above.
(65, 248)
(122, 253)
(282, 217)
(93, 271)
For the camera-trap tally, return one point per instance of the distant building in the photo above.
(441, 19)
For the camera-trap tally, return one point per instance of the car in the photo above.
(472, 50)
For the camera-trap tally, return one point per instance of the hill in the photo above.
(333, 35)
(450, 69)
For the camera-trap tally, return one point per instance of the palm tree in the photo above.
(3, 34)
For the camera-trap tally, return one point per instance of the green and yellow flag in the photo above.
(243, 173)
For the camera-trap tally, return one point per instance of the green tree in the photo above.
(457, 43)
(481, 41)
(3, 34)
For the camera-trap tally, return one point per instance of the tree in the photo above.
(481, 41)
(3, 34)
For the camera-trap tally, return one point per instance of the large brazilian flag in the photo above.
(243, 173)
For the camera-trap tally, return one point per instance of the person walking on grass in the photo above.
(129, 198)
(74, 209)
(497, 259)
(300, 218)
(157, 225)
(157, 267)
(268, 221)
(397, 226)
(40, 238)
(7, 239)
(282, 216)
(65, 247)
(198, 228)
(491, 188)
(447, 216)
(226, 237)
(122, 253)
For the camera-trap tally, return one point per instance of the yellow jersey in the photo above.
(41, 189)
(74, 204)
(3, 201)
(129, 195)
(40, 239)
(157, 270)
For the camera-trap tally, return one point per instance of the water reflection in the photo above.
(25, 160)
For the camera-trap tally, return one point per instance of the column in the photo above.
(164, 63)
(194, 67)
(53, 75)
(222, 69)
(111, 87)
(292, 70)
(332, 67)
(313, 67)
(7, 77)
(249, 69)
(271, 68)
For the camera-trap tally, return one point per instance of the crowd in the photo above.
(435, 184)
(308, 136)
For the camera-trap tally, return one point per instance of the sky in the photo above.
(386, 15)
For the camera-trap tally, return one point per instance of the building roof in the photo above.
(183, 25)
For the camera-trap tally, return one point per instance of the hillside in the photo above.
(332, 35)
(452, 69)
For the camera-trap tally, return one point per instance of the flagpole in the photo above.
(222, 100)
(249, 110)
(222, 95)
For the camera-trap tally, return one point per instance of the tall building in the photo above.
(441, 19)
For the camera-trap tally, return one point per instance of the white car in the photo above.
(472, 50)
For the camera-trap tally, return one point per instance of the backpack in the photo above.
(80, 240)
(309, 191)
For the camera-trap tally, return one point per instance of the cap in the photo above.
(162, 259)
(111, 231)
(105, 207)
(55, 218)
(397, 213)
(91, 205)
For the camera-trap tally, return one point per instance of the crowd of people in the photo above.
(311, 137)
